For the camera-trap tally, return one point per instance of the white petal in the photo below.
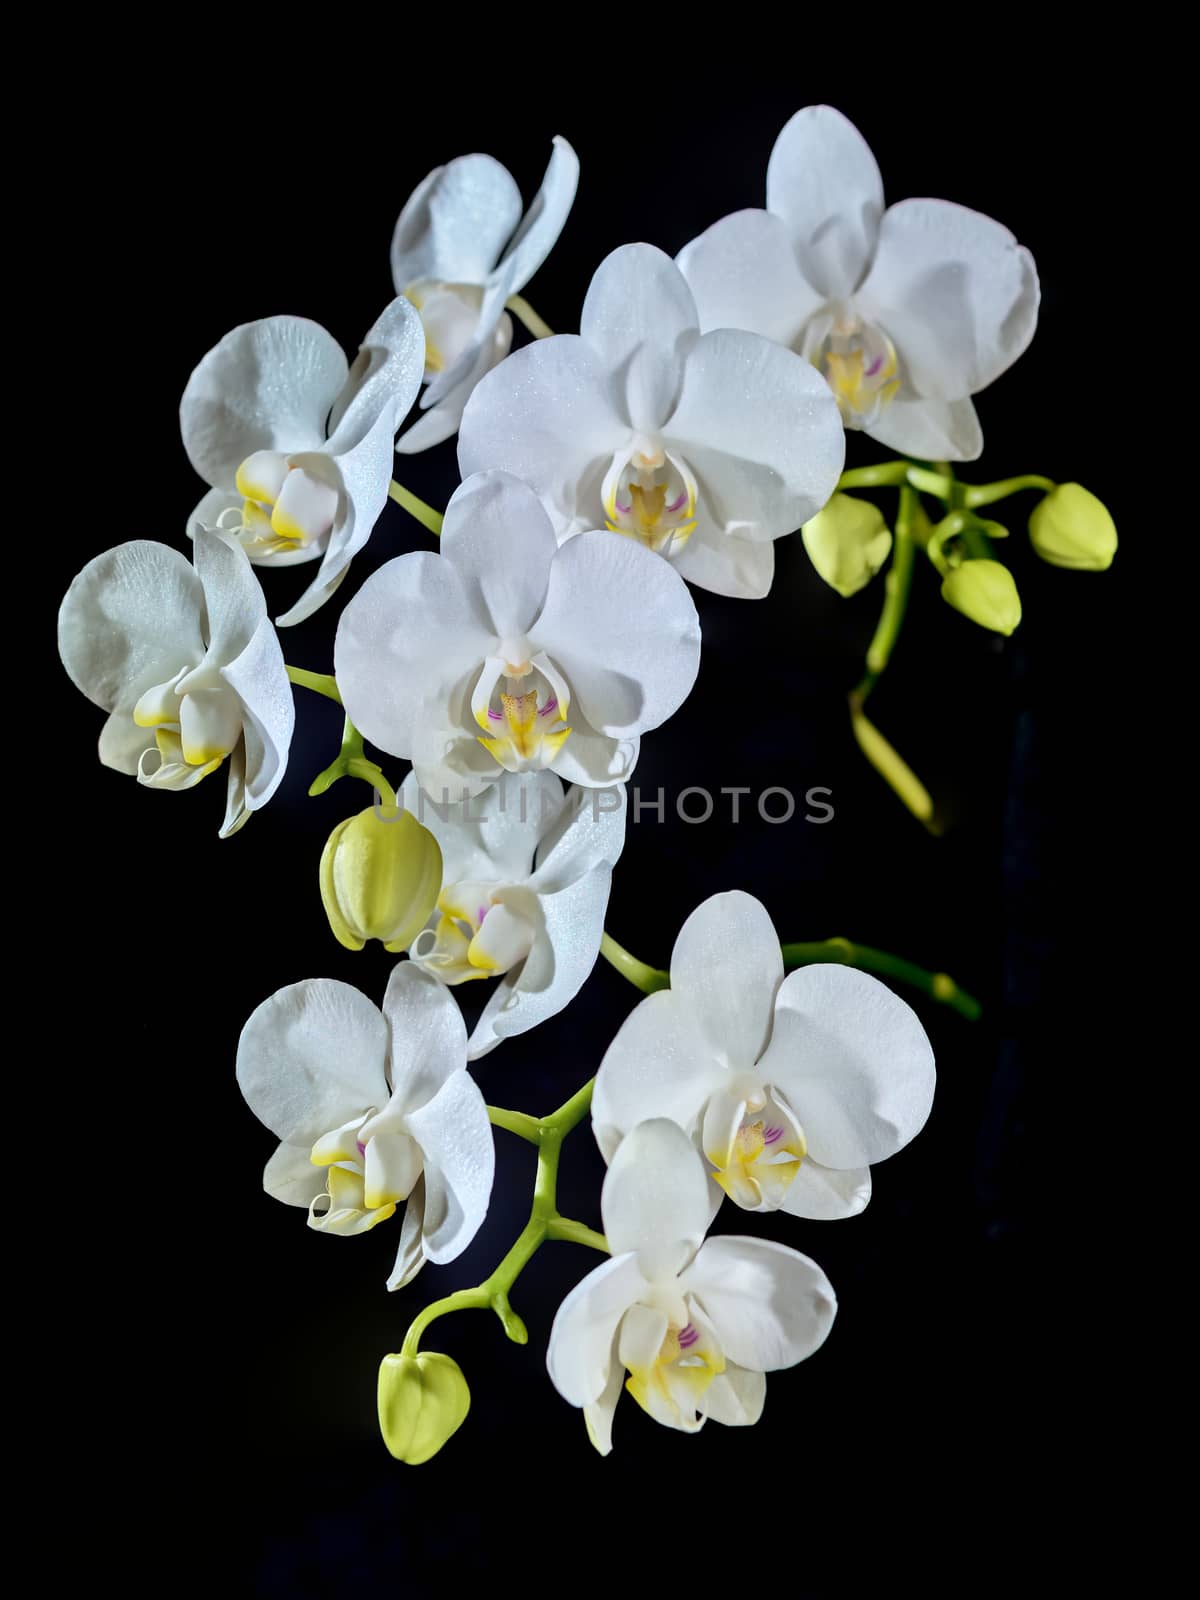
(410, 1252)
(638, 297)
(588, 831)
(591, 759)
(956, 294)
(130, 620)
(267, 385)
(291, 1177)
(826, 1194)
(384, 379)
(233, 598)
(441, 421)
(743, 273)
(237, 813)
(724, 564)
(621, 626)
(735, 1396)
(640, 1337)
(854, 1063)
(501, 543)
(454, 223)
(312, 1057)
(931, 430)
(544, 219)
(770, 1306)
(428, 1035)
(565, 947)
(460, 1162)
(507, 934)
(547, 415)
(407, 635)
(760, 429)
(598, 1413)
(123, 743)
(725, 970)
(658, 1065)
(580, 1354)
(655, 1199)
(823, 181)
(494, 838)
(259, 678)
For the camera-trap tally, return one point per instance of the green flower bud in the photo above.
(423, 1401)
(1071, 528)
(985, 592)
(847, 542)
(381, 874)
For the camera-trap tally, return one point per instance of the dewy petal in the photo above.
(931, 430)
(494, 839)
(854, 1063)
(259, 679)
(130, 620)
(406, 637)
(123, 743)
(428, 1036)
(598, 1413)
(565, 946)
(589, 830)
(622, 627)
(826, 1194)
(311, 1057)
(546, 415)
(659, 1065)
(384, 379)
(460, 1162)
(501, 543)
(580, 1354)
(724, 564)
(743, 273)
(735, 1396)
(267, 385)
(760, 429)
(726, 968)
(823, 181)
(592, 760)
(770, 1306)
(410, 1252)
(637, 297)
(956, 294)
(233, 598)
(291, 1177)
(454, 224)
(655, 1199)
(442, 420)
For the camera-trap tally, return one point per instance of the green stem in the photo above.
(525, 314)
(351, 762)
(319, 682)
(883, 475)
(897, 587)
(891, 766)
(986, 494)
(645, 978)
(547, 1133)
(938, 986)
(416, 507)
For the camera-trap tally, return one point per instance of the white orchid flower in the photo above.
(697, 1325)
(449, 257)
(525, 881)
(373, 1108)
(507, 653)
(297, 445)
(792, 1086)
(185, 661)
(704, 448)
(907, 312)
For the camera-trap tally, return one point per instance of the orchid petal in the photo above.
(823, 181)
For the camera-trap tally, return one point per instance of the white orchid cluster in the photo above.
(698, 416)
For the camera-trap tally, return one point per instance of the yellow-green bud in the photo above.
(847, 542)
(381, 874)
(985, 592)
(423, 1401)
(1071, 528)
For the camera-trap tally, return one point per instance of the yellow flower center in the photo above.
(857, 360)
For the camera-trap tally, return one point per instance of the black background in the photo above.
(219, 1358)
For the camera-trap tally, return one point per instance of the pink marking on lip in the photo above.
(480, 913)
(688, 1337)
(624, 510)
(495, 716)
(772, 1135)
(874, 367)
(362, 1149)
(678, 505)
(549, 708)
